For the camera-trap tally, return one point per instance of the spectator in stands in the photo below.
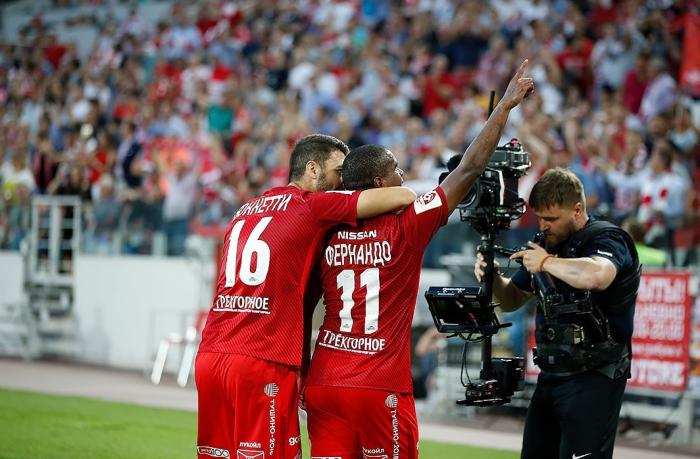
(662, 194)
(178, 206)
(106, 212)
(16, 172)
(648, 256)
(660, 93)
(19, 216)
(635, 83)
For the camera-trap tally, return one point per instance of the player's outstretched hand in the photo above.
(519, 88)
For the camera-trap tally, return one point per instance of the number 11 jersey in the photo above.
(370, 278)
(270, 249)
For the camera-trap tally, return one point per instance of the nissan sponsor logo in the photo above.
(213, 452)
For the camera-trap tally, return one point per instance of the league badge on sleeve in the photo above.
(428, 201)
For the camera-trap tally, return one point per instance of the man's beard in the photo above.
(555, 240)
(322, 184)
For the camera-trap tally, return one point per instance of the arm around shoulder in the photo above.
(378, 201)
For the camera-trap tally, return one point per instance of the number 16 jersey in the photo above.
(271, 247)
(370, 278)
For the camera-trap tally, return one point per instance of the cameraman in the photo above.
(584, 356)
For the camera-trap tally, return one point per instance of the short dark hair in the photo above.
(314, 147)
(557, 187)
(363, 164)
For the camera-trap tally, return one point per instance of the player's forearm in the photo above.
(475, 158)
(378, 201)
(580, 273)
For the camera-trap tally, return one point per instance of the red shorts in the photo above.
(248, 408)
(349, 423)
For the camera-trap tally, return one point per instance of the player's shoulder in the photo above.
(430, 201)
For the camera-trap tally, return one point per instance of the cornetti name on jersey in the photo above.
(267, 204)
(341, 342)
(237, 303)
(368, 254)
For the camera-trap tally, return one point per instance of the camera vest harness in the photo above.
(575, 335)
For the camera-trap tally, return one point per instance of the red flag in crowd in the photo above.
(690, 67)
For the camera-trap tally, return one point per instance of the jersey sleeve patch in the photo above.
(427, 202)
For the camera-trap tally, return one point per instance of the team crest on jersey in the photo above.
(271, 390)
(250, 454)
(427, 201)
(392, 401)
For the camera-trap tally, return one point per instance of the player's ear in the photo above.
(312, 169)
(378, 182)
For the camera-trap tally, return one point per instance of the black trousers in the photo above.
(573, 417)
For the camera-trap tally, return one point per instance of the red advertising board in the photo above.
(661, 339)
(662, 332)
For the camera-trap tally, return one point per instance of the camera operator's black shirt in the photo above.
(613, 247)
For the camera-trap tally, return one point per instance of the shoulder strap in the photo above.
(581, 237)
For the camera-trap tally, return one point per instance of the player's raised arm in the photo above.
(476, 158)
(377, 201)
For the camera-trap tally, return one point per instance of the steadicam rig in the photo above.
(468, 312)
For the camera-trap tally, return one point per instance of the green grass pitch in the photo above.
(47, 426)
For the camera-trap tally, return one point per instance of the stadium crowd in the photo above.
(168, 126)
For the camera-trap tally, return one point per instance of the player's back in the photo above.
(270, 249)
(370, 278)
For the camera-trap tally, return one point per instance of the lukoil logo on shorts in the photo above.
(392, 401)
(213, 452)
(373, 453)
(271, 390)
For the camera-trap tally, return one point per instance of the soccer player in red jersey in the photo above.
(358, 393)
(247, 365)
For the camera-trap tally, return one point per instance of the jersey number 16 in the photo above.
(252, 246)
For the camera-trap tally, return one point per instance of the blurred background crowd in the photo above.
(168, 124)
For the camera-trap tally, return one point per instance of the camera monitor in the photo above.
(461, 310)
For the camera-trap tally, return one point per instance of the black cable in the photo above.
(464, 366)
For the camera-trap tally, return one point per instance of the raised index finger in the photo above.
(521, 70)
(517, 255)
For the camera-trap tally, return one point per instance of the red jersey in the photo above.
(270, 249)
(370, 280)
